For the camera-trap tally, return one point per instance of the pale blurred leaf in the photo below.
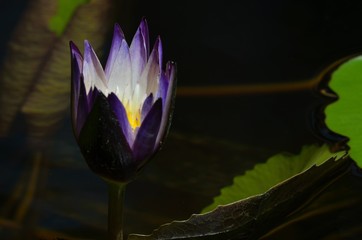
(35, 75)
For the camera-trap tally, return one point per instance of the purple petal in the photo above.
(168, 103)
(76, 65)
(82, 109)
(121, 115)
(151, 74)
(118, 37)
(92, 70)
(143, 147)
(139, 54)
(163, 87)
(145, 34)
(104, 146)
(92, 96)
(147, 104)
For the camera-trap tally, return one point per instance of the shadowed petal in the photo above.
(76, 72)
(118, 37)
(92, 70)
(120, 76)
(92, 96)
(151, 73)
(139, 54)
(147, 104)
(143, 147)
(82, 109)
(104, 146)
(120, 112)
(169, 103)
(162, 88)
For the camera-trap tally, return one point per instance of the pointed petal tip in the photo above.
(143, 25)
(73, 48)
(117, 32)
(87, 44)
(158, 40)
(87, 48)
(89, 51)
(157, 48)
(171, 68)
(72, 45)
(171, 64)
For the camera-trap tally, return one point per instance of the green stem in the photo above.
(115, 211)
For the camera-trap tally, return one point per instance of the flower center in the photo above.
(134, 116)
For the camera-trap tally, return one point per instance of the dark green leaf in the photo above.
(255, 216)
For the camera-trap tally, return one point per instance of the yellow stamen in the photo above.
(134, 116)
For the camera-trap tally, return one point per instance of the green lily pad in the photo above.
(256, 216)
(276, 170)
(345, 115)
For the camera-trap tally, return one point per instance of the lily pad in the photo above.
(255, 216)
(344, 116)
(264, 176)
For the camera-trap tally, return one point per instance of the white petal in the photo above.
(120, 75)
(118, 36)
(92, 70)
(138, 52)
(151, 74)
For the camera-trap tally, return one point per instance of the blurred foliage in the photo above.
(35, 76)
(65, 11)
(345, 115)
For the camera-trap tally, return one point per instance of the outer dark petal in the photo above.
(118, 36)
(147, 104)
(143, 147)
(120, 113)
(92, 95)
(169, 104)
(76, 71)
(163, 87)
(104, 146)
(82, 108)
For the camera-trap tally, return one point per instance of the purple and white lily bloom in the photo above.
(121, 114)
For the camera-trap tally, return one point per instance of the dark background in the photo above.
(240, 42)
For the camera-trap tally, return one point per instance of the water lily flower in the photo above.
(121, 114)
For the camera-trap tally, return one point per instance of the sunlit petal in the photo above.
(118, 37)
(92, 70)
(120, 75)
(138, 52)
